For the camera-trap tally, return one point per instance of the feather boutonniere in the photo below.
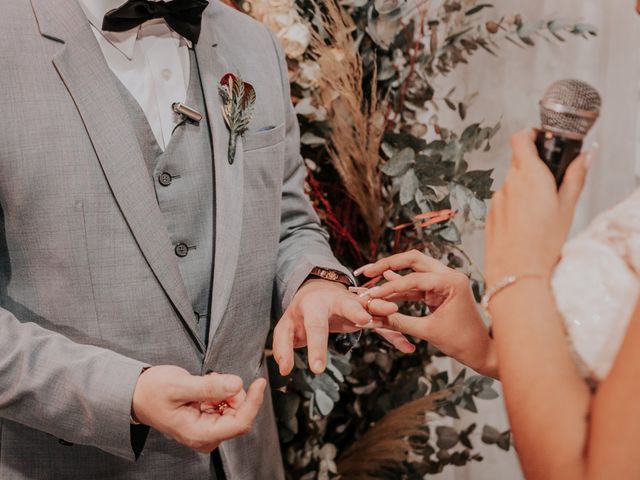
(238, 98)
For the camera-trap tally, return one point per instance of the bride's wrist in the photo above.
(525, 294)
(509, 283)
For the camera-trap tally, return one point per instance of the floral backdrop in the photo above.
(386, 175)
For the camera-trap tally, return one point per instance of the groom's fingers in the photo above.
(208, 388)
(212, 429)
(283, 345)
(238, 399)
(231, 426)
(360, 311)
(352, 308)
(316, 325)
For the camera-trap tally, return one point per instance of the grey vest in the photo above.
(184, 183)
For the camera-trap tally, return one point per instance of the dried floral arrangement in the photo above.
(386, 175)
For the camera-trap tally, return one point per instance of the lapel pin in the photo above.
(187, 112)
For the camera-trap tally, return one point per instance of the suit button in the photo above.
(165, 179)
(182, 250)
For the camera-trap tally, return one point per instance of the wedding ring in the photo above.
(221, 407)
(368, 307)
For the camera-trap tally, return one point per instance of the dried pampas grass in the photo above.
(356, 121)
(386, 444)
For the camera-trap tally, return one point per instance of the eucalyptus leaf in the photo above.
(327, 385)
(382, 29)
(462, 110)
(421, 201)
(337, 374)
(490, 435)
(477, 8)
(469, 136)
(409, 187)
(488, 394)
(461, 199)
(399, 163)
(478, 209)
(504, 442)
(450, 104)
(323, 402)
(305, 107)
(312, 139)
(387, 70)
(386, 6)
(447, 437)
(341, 362)
(450, 233)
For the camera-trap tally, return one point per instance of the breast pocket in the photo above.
(263, 138)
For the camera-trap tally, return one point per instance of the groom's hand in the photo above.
(320, 307)
(171, 400)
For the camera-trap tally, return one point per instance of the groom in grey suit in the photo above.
(139, 269)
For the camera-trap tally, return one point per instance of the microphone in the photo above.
(568, 110)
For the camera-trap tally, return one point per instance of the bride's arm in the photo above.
(561, 431)
(615, 414)
(547, 400)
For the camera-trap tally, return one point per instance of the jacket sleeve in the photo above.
(304, 244)
(79, 393)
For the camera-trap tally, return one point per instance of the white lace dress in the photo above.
(597, 283)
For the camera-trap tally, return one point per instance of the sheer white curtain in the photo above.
(510, 87)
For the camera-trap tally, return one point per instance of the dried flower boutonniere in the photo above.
(238, 98)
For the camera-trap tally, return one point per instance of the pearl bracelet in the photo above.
(502, 284)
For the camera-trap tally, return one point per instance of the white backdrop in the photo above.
(510, 87)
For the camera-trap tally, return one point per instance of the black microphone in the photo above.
(568, 110)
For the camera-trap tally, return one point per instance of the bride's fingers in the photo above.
(413, 259)
(396, 339)
(424, 282)
(414, 326)
(412, 296)
(391, 275)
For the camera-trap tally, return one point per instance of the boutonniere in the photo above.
(238, 98)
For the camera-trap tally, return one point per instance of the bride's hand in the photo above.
(454, 325)
(529, 218)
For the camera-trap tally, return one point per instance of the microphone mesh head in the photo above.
(570, 107)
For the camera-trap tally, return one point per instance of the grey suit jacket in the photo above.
(90, 290)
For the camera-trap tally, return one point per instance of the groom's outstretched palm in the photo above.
(320, 307)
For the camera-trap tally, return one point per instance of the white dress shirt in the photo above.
(151, 61)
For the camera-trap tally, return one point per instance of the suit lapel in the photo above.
(93, 87)
(228, 178)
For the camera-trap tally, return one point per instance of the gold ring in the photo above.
(368, 307)
(221, 407)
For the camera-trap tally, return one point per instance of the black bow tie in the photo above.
(183, 16)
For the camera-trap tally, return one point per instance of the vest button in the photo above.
(182, 250)
(165, 179)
